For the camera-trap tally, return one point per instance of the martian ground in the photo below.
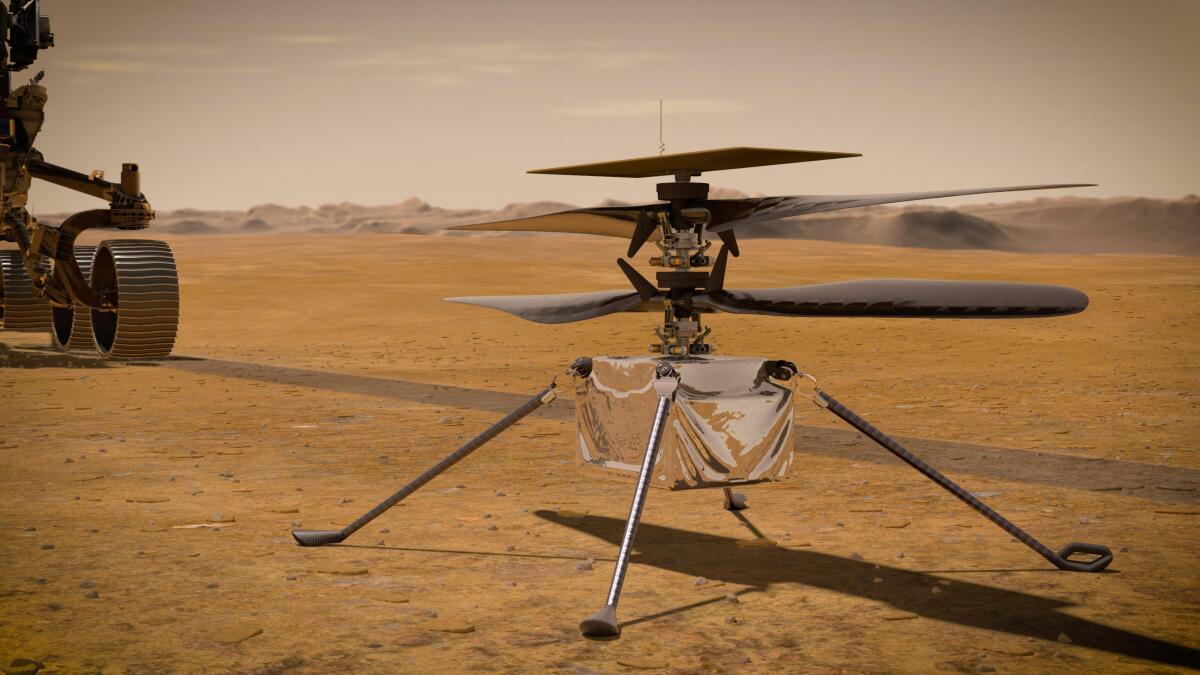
(145, 508)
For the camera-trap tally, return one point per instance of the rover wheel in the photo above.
(141, 274)
(72, 329)
(23, 309)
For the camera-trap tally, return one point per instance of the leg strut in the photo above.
(604, 623)
(1061, 559)
(320, 537)
(735, 501)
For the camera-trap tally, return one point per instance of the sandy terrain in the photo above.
(316, 374)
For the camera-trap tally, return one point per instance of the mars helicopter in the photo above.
(120, 298)
(721, 421)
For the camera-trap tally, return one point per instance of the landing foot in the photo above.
(317, 537)
(602, 624)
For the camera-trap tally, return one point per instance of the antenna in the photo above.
(661, 146)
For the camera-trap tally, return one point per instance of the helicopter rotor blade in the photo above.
(740, 213)
(716, 278)
(642, 232)
(910, 298)
(560, 308)
(726, 214)
(645, 289)
(730, 239)
(609, 221)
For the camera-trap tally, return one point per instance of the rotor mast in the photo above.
(683, 244)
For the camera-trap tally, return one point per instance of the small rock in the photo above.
(290, 577)
(935, 590)
(212, 584)
(345, 500)
(381, 543)
(900, 554)
(856, 556)
(231, 635)
(584, 566)
(449, 626)
(487, 515)
(510, 548)
(500, 494)
(443, 420)
(732, 597)
(92, 594)
(374, 645)
(699, 581)
(731, 619)
(384, 530)
(383, 459)
(877, 580)
(31, 528)
(47, 547)
(219, 517)
(1063, 638)
(68, 461)
(296, 523)
(492, 528)
(460, 486)
(510, 584)
(86, 584)
(24, 667)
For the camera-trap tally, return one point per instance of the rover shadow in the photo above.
(963, 603)
(1024, 466)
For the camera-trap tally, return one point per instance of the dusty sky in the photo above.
(232, 103)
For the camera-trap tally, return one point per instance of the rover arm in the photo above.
(128, 210)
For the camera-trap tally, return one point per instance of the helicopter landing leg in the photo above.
(322, 537)
(1101, 556)
(603, 624)
(735, 501)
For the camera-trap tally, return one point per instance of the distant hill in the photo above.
(1044, 225)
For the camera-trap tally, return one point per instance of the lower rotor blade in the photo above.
(561, 308)
(913, 298)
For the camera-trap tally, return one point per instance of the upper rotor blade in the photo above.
(904, 298)
(563, 307)
(731, 213)
(610, 221)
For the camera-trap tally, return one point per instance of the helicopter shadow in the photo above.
(964, 603)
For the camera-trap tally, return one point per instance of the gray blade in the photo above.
(737, 213)
(904, 298)
(564, 307)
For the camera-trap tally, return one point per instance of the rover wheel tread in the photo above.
(24, 310)
(72, 329)
(142, 272)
